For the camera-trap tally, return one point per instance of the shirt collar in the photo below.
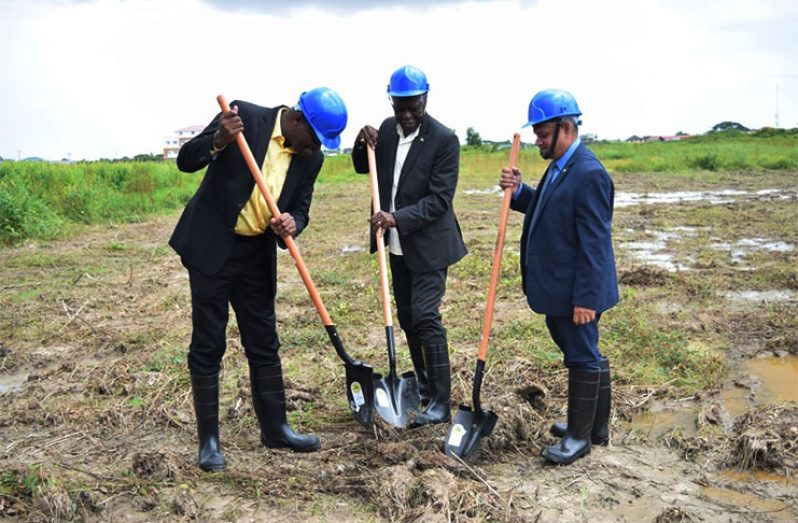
(410, 137)
(567, 156)
(277, 133)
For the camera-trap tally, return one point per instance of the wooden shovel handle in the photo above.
(375, 206)
(497, 255)
(288, 239)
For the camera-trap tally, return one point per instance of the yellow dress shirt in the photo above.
(254, 217)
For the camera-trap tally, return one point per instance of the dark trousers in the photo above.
(418, 297)
(578, 343)
(247, 281)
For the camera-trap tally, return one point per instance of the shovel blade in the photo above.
(360, 392)
(468, 428)
(396, 399)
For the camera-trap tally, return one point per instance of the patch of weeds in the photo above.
(116, 246)
(170, 358)
(26, 295)
(135, 402)
(706, 162)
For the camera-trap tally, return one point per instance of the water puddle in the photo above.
(771, 296)
(749, 476)
(656, 423)
(351, 249)
(742, 248)
(752, 504)
(626, 199)
(758, 381)
(654, 250)
(13, 382)
(491, 190)
(761, 381)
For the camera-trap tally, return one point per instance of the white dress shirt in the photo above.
(394, 246)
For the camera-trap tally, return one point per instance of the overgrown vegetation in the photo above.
(43, 200)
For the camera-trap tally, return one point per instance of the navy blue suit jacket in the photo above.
(567, 258)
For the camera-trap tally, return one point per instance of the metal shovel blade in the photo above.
(359, 381)
(360, 393)
(466, 431)
(396, 398)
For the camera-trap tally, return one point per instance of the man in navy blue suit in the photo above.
(568, 265)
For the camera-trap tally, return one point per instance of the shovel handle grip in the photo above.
(375, 206)
(495, 271)
(275, 211)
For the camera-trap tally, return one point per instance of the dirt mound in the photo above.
(643, 276)
(766, 438)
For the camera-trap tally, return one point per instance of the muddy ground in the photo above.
(97, 425)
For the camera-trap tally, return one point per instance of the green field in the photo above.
(46, 200)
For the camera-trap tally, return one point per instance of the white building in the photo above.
(172, 144)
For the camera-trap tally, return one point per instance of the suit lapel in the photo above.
(556, 183)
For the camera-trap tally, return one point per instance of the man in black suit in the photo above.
(227, 239)
(418, 165)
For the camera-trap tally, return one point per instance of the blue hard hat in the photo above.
(408, 81)
(326, 113)
(550, 104)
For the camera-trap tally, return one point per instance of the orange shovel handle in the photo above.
(375, 206)
(497, 255)
(288, 239)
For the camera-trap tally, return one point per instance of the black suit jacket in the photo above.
(204, 234)
(425, 220)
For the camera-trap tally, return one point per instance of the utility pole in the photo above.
(777, 105)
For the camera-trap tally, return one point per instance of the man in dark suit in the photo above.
(418, 163)
(227, 239)
(568, 265)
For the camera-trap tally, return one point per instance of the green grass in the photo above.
(46, 200)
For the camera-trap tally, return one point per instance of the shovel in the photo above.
(359, 376)
(395, 397)
(471, 425)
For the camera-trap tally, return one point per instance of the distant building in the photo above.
(172, 144)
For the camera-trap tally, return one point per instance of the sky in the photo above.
(89, 79)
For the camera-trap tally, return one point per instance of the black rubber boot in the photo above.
(583, 388)
(268, 400)
(205, 390)
(600, 435)
(417, 355)
(439, 376)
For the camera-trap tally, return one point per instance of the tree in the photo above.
(472, 137)
(725, 126)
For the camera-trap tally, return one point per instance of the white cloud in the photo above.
(111, 78)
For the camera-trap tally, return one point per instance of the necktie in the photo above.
(549, 178)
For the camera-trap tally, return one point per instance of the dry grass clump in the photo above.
(643, 276)
(673, 515)
(766, 438)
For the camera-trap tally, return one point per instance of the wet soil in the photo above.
(97, 424)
